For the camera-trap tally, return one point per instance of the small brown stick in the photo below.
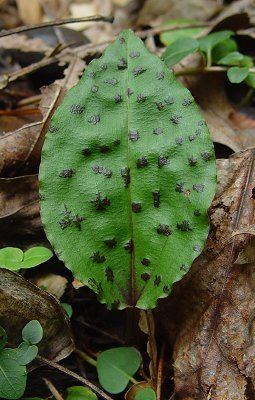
(20, 111)
(52, 389)
(160, 372)
(75, 376)
(56, 22)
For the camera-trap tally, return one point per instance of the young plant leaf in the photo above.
(36, 256)
(145, 394)
(126, 177)
(13, 376)
(116, 366)
(178, 50)
(223, 48)
(234, 58)
(11, 258)
(250, 80)
(181, 32)
(208, 42)
(237, 74)
(32, 332)
(3, 338)
(14, 258)
(80, 393)
(26, 353)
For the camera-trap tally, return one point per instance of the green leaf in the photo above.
(250, 80)
(32, 332)
(3, 338)
(134, 226)
(223, 48)
(11, 257)
(68, 309)
(12, 376)
(80, 393)
(36, 256)
(145, 394)
(207, 43)
(233, 58)
(116, 366)
(169, 37)
(247, 61)
(178, 50)
(237, 75)
(26, 353)
(14, 258)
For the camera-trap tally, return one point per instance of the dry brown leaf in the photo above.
(212, 308)
(22, 148)
(20, 302)
(53, 284)
(147, 325)
(227, 125)
(19, 210)
(24, 44)
(154, 12)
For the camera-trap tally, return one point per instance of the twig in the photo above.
(56, 22)
(75, 376)
(160, 372)
(206, 70)
(53, 390)
(86, 357)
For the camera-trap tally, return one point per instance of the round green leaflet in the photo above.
(127, 175)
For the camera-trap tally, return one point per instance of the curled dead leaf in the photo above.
(20, 302)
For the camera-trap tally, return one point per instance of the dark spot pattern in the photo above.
(103, 67)
(197, 248)
(206, 156)
(160, 105)
(156, 197)
(76, 109)
(102, 170)
(104, 149)
(162, 160)
(184, 268)
(192, 161)
(199, 187)
(163, 229)
(129, 92)
(179, 140)
(157, 280)
(129, 246)
(97, 257)
(109, 274)
(179, 187)
(192, 137)
(141, 98)
(53, 128)
(122, 64)
(166, 289)
(184, 226)
(100, 203)
(175, 119)
(70, 219)
(116, 142)
(125, 173)
(117, 98)
(94, 89)
(94, 119)
(110, 243)
(67, 173)
(169, 100)
(134, 54)
(122, 40)
(197, 213)
(145, 261)
(186, 102)
(142, 162)
(157, 131)
(86, 151)
(145, 277)
(138, 71)
(133, 136)
(136, 207)
(160, 75)
(91, 74)
(112, 81)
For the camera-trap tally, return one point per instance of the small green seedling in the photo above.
(13, 361)
(80, 393)
(14, 259)
(127, 175)
(116, 367)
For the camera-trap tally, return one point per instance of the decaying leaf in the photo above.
(212, 309)
(20, 302)
(22, 148)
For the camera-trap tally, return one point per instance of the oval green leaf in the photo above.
(11, 258)
(80, 393)
(13, 376)
(237, 74)
(223, 48)
(234, 58)
(116, 366)
(26, 353)
(127, 175)
(181, 32)
(178, 50)
(36, 256)
(145, 394)
(32, 332)
(208, 42)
